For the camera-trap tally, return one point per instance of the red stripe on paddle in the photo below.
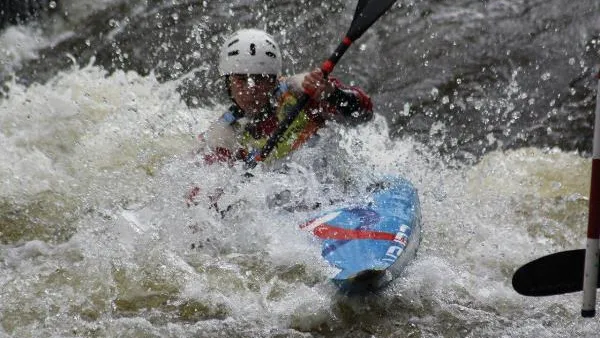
(594, 209)
(325, 231)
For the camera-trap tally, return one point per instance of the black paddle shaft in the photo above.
(366, 13)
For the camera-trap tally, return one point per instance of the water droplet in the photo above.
(52, 4)
(546, 76)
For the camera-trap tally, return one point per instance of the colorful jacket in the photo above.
(234, 137)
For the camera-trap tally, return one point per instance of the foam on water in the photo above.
(19, 43)
(116, 152)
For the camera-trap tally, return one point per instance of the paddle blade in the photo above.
(554, 274)
(367, 12)
(359, 7)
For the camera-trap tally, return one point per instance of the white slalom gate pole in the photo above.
(590, 274)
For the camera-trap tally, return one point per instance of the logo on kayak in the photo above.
(401, 240)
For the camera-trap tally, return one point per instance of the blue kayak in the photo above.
(372, 242)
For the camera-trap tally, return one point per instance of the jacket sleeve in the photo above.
(220, 140)
(349, 104)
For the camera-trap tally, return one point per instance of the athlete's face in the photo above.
(252, 92)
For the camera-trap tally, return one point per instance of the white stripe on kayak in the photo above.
(310, 226)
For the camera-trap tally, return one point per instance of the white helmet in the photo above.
(250, 51)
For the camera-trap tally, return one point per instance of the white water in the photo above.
(96, 167)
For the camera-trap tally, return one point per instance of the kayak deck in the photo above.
(371, 243)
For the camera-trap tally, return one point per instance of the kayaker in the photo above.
(250, 62)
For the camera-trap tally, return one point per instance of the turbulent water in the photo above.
(486, 106)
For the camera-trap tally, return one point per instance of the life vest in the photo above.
(234, 137)
(302, 128)
(254, 135)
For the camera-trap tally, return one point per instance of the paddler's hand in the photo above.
(317, 86)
